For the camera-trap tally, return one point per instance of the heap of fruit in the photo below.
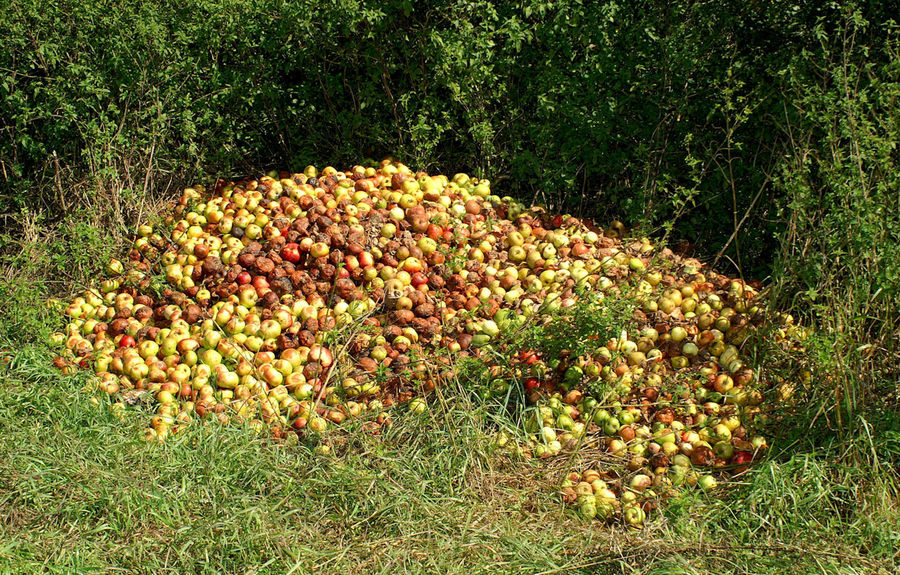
(293, 302)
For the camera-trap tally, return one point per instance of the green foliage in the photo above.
(558, 334)
(57, 261)
(595, 318)
(673, 114)
(840, 258)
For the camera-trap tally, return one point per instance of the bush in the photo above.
(840, 258)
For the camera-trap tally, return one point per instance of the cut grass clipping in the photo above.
(320, 306)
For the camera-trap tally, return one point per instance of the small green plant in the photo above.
(593, 319)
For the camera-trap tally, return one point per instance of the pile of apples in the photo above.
(294, 302)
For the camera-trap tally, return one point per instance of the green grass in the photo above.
(82, 492)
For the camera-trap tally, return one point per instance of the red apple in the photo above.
(366, 259)
(291, 253)
(742, 457)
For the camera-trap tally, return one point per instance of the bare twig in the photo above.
(743, 219)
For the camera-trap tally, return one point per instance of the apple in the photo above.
(319, 250)
(269, 329)
(147, 348)
(291, 253)
(247, 296)
(707, 483)
(633, 515)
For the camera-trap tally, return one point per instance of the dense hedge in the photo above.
(699, 116)
(643, 104)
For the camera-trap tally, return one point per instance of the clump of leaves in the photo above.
(595, 318)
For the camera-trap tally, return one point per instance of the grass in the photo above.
(82, 492)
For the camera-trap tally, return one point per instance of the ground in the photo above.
(82, 491)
